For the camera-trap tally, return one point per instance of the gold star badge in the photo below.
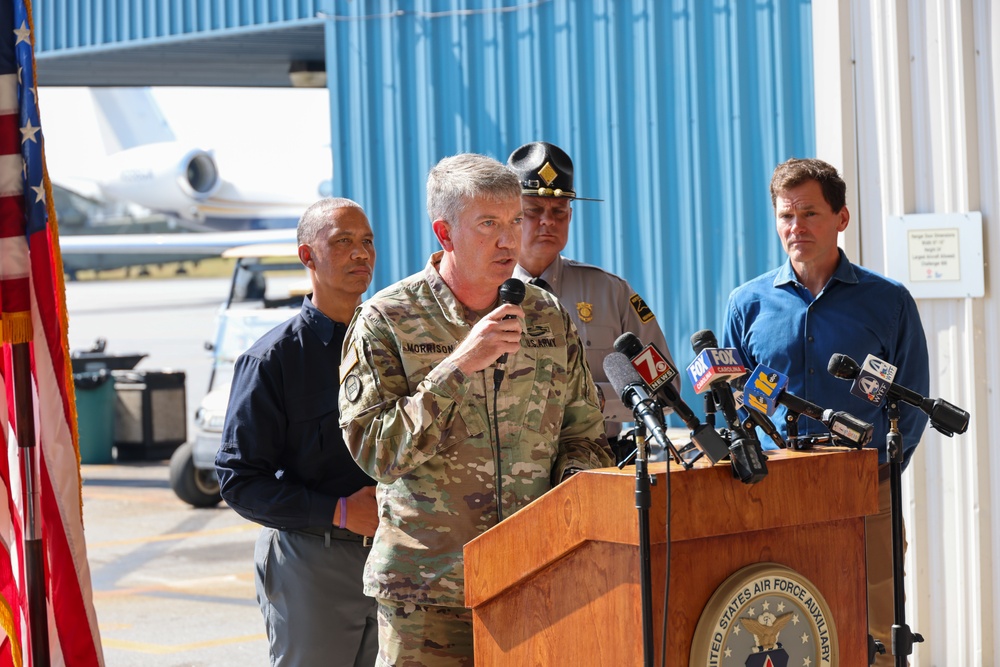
(547, 173)
(585, 311)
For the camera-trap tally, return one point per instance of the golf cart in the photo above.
(266, 289)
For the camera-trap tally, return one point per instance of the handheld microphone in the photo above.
(644, 361)
(712, 368)
(767, 391)
(876, 379)
(511, 291)
(630, 386)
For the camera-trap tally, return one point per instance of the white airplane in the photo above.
(197, 191)
(147, 165)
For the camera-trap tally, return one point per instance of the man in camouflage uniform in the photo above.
(602, 305)
(420, 413)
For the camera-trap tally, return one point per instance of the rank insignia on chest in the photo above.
(641, 309)
(536, 330)
(585, 311)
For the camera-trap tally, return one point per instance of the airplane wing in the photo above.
(204, 244)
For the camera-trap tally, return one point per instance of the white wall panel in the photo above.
(924, 110)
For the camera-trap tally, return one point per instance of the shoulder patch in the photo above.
(349, 361)
(641, 309)
(352, 387)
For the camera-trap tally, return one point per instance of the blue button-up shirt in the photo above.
(774, 320)
(283, 462)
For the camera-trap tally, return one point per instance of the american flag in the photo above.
(33, 314)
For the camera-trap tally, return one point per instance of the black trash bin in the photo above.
(95, 413)
(98, 358)
(150, 414)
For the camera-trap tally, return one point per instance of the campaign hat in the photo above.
(545, 170)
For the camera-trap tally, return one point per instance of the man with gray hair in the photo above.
(283, 462)
(422, 415)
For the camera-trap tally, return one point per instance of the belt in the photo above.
(332, 532)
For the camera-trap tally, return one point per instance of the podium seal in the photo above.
(765, 615)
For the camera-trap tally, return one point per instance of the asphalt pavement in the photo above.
(173, 585)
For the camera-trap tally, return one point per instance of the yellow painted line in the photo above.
(130, 498)
(163, 649)
(187, 589)
(175, 536)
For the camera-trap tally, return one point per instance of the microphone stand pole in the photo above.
(902, 638)
(642, 504)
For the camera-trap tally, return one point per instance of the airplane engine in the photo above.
(165, 177)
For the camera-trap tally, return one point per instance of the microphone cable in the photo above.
(497, 472)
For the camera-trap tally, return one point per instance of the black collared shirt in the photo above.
(283, 462)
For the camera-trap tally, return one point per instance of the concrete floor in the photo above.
(173, 585)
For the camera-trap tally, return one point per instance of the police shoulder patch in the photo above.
(641, 309)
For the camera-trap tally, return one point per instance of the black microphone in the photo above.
(946, 418)
(844, 427)
(704, 340)
(511, 291)
(630, 386)
(702, 435)
(745, 453)
(630, 345)
(758, 419)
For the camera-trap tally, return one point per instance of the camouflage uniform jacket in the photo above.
(422, 428)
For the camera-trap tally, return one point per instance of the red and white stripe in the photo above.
(30, 282)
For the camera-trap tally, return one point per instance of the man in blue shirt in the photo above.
(283, 462)
(792, 319)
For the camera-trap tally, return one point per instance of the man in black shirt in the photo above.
(283, 462)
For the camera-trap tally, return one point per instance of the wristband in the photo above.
(343, 514)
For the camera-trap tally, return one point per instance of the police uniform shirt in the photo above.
(603, 306)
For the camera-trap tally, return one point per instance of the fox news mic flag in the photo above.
(33, 319)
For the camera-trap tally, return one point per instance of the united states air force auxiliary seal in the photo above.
(765, 615)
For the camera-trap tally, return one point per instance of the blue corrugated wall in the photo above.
(675, 113)
(68, 24)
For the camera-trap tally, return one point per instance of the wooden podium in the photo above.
(557, 583)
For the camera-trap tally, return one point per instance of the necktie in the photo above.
(541, 283)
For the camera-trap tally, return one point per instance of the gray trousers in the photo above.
(311, 597)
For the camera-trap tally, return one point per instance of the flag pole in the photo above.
(34, 554)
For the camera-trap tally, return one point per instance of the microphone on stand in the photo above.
(873, 382)
(759, 419)
(511, 291)
(712, 369)
(710, 409)
(630, 386)
(764, 389)
(654, 369)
